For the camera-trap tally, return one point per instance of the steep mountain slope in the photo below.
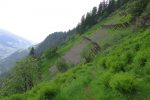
(10, 43)
(119, 73)
(74, 54)
(119, 70)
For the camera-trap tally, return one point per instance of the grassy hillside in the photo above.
(120, 70)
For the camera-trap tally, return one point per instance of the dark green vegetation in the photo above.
(118, 70)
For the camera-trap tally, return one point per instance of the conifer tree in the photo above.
(32, 52)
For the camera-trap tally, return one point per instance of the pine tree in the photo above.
(111, 6)
(32, 52)
(94, 15)
(119, 3)
(83, 25)
(100, 9)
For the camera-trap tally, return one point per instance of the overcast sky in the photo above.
(35, 19)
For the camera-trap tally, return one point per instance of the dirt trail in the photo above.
(88, 88)
(73, 55)
(88, 93)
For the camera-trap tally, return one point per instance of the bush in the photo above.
(117, 66)
(105, 78)
(146, 72)
(17, 97)
(103, 63)
(106, 45)
(62, 65)
(141, 58)
(147, 12)
(48, 93)
(88, 53)
(137, 47)
(128, 57)
(115, 63)
(138, 7)
(125, 83)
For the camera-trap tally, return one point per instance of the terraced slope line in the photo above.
(73, 55)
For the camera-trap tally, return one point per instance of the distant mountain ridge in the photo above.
(10, 43)
(12, 49)
(52, 40)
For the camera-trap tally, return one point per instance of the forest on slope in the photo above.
(106, 56)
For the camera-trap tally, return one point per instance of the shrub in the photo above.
(105, 78)
(141, 58)
(103, 63)
(115, 63)
(62, 65)
(117, 66)
(147, 73)
(47, 94)
(147, 12)
(88, 53)
(125, 83)
(106, 45)
(17, 97)
(138, 7)
(127, 57)
(137, 47)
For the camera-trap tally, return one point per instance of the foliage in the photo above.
(147, 12)
(125, 83)
(138, 7)
(104, 83)
(62, 65)
(23, 77)
(88, 54)
(32, 52)
(47, 93)
(119, 72)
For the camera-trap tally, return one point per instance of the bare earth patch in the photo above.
(73, 55)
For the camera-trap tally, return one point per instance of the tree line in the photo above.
(104, 9)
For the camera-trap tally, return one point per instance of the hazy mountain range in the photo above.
(12, 49)
(10, 43)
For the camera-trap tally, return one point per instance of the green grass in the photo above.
(120, 72)
(92, 30)
(116, 19)
(47, 63)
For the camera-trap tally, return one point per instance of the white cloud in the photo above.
(35, 19)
